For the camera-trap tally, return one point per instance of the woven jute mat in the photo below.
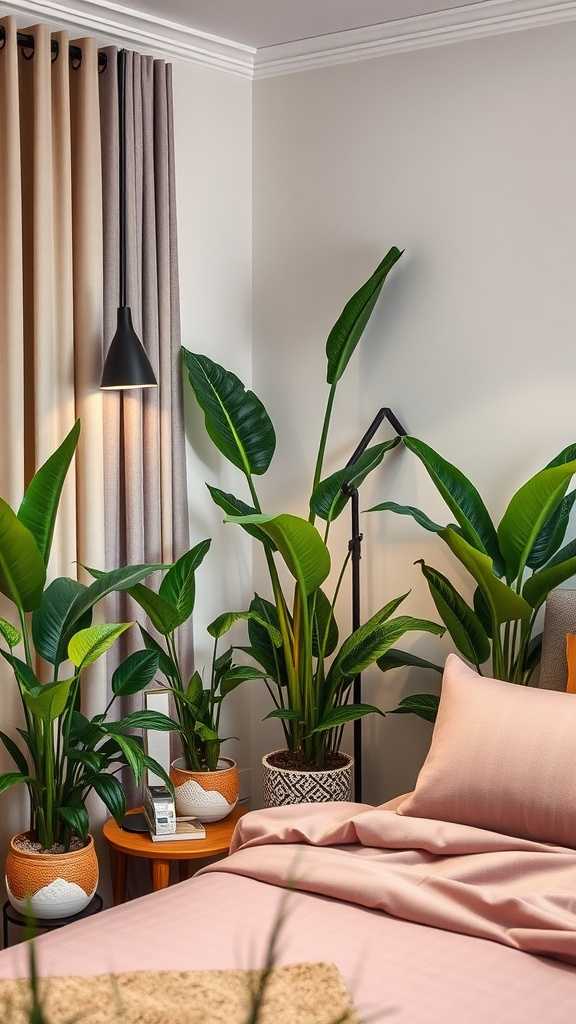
(299, 994)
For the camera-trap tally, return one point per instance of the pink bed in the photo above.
(423, 918)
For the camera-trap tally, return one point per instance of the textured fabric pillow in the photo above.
(503, 757)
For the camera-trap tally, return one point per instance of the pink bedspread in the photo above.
(408, 972)
(464, 879)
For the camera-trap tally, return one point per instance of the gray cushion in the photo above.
(559, 619)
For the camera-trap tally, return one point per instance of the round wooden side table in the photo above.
(125, 844)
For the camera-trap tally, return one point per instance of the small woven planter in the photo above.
(50, 885)
(290, 786)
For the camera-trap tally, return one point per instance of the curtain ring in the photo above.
(54, 50)
(75, 62)
(102, 61)
(2, 37)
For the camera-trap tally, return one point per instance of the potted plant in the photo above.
(206, 784)
(311, 693)
(61, 756)
(514, 565)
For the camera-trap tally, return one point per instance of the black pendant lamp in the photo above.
(126, 364)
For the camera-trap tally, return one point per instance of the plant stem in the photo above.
(323, 440)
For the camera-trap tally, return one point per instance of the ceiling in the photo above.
(266, 22)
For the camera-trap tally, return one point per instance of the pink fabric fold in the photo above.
(459, 878)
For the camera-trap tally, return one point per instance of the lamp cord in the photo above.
(122, 169)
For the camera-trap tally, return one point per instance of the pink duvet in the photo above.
(425, 920)
(467, 880)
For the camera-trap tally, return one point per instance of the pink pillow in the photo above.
(503, 757)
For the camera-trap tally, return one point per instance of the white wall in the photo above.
(213, 139)
(466, 156)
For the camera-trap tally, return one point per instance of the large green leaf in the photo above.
(111, 793)
(462, 499)
(528, 511)
(349, 327)
(462, 622)
(165, 663)
(538, 586)
(344, 714)
(299, 543)
(237, 675)
(360, 635)
(395, 658)
(15, 753)
(235, 419)
(178, 586)
(324, 624)
(332, 494)
(381, 639)
(50, 700)
(233, 506)
(50, 639)
(224, 622)
(87, 645)
(9, 779)
(135, 673)
(25, 676)
(10, 634)
(262, 649)
(505, 605)
(551, 534)
(76, 817)
(153, 720)
(22, 569)
(40, 503)
(423, 705)
(408, 510)
(104, 584)
(163, 615)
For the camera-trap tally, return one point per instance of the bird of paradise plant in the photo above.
(311, 693)
(61, 755)
(514, 566)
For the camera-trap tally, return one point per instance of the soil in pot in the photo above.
(29, 845)
(295, 761)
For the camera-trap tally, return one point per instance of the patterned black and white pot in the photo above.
(290, 786)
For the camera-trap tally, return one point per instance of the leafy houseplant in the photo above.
(515, 565)
(61, 755)
(205, 783)
(311, 693)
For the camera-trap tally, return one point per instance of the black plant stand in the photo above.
(355, 548)
(10, 916)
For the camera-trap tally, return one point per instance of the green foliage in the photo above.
(197, 708)
(235, 419)
(311, 698)
(524, 548)
(61, 755)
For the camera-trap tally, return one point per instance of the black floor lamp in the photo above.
(355, 548)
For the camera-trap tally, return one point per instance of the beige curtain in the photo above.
(51, 304)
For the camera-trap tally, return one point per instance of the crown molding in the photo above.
(485, 18)
(114, 23)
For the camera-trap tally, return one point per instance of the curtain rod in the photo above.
(26, 42)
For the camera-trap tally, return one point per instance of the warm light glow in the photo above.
(127, 387)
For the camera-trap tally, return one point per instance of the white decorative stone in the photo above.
(58, 899)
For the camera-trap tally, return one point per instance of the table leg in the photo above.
(183, 870)
(160, 874)
(119, 862)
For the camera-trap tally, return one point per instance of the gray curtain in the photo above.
(144, 460)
